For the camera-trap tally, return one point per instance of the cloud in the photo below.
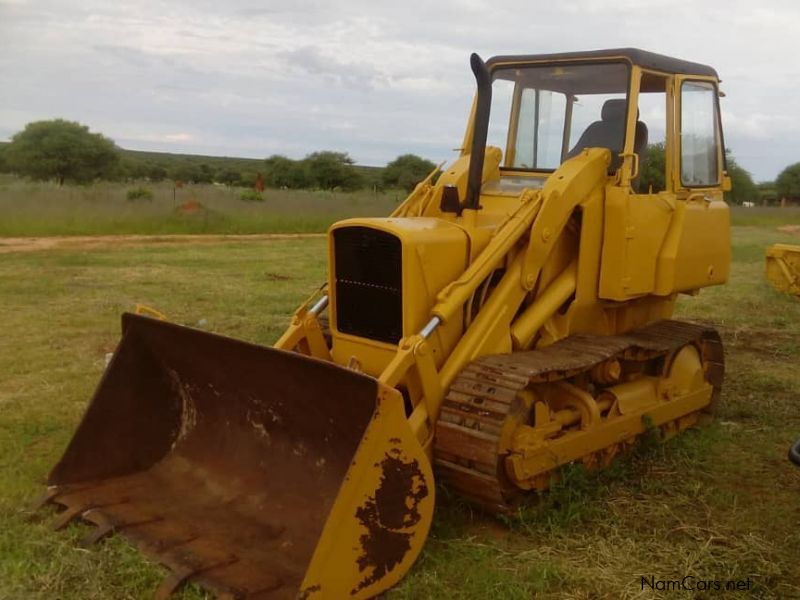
(253, 78)
(760, 126)
(313, 60)
(178, 137)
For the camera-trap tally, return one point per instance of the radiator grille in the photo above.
(368, 275)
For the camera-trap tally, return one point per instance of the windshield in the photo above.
(542, 115)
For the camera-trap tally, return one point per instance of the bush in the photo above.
(228, 176)
(61, 150)
(139, 193)
(743, 188)
(788, 182)
(407, 171)
(652, 171)
(282, 172)
(251, 196)
(330, 170)
(247, 179)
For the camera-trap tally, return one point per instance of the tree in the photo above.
(652, 171)
(61, 150)
(189, 172)
(228, 176)
(743, 188)
(248, 179)
(767, 192)
(407, 171)
(156, 172)
(130, 169)
(205, 173)
(788, 182)
(328, 170)
(284, 172)
(654, 167)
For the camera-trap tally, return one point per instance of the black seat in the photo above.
(609, 133)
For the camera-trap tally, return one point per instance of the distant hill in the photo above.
(170, 161)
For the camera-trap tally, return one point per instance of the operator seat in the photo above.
(608, 133)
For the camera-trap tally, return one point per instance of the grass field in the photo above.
(719, 503)
(38, 209)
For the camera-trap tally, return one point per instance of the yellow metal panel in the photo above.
(783, 268)
(634, 230)
(697, 249)
(457, 174)
(382, 513)
(372, 356)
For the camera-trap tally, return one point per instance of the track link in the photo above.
(484, 404)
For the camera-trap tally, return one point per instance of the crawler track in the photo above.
(482, 406)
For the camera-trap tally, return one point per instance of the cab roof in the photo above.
(642, 58)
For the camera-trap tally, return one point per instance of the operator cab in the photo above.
(546, 109)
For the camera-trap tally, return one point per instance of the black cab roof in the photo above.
(642, 58)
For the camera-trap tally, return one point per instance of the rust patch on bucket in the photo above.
(389, 515)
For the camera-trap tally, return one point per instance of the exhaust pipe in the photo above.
(480, 131)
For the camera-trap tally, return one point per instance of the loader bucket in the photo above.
(783, 268)
(255, 472)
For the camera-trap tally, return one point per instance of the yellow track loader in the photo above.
(511, 316)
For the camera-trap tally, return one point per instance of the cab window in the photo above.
(543, 115)
(699, 137)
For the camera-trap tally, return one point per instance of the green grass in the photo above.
(39, 209)
(717, 503)
(765, 216)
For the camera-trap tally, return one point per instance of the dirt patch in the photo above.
(190, 208)
(276, 276)
(765, 342)
(790, 229)
(90, 242)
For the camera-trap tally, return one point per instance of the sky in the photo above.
(374, 79)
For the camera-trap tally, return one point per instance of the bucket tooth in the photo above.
(47, 498)
(158, 547)
(106, 525)
(179, 576)
(69, 515)
(171, 583)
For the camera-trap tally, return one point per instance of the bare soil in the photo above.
(792, 229)
(89, 242)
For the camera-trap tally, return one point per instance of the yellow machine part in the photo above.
(783, 268)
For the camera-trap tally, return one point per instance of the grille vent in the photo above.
(369, 294)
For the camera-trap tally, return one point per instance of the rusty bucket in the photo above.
(252, 471)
